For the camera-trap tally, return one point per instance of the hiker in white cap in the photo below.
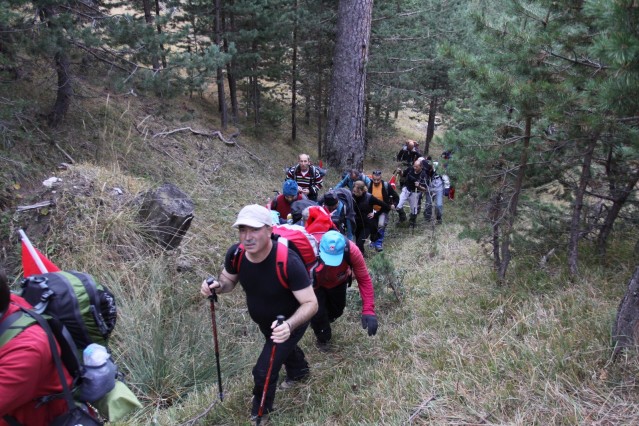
(266, 298)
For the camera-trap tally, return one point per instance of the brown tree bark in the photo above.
(626, 329)
(345, 128)
(580, 192)
(219, 72)
(294, 78)
(65, 89)
(619, 196)
(509, 223)
(230, 75)
(62, 65)
(432, 112)
(159, 28)
(149, 19)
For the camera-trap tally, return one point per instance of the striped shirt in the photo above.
(311, 179)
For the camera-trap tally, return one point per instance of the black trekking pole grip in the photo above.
(260, 412)
(213, 299)
(213, 296)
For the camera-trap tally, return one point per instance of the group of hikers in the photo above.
(283, 294)
(286, 291)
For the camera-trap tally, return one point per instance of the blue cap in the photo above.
(332, 247)
(289, 188)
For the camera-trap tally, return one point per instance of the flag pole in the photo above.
(32, 252)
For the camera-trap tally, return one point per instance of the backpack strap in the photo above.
(281, 261)
(66, 391)
(13, 325)
(236, 259)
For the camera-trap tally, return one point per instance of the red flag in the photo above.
(392, 182)
(34, 262)
(321, 164)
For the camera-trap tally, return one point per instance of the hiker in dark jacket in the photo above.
(415, 183)
(382, 190)
(365, 220)
(27, 370)
(307, 176)
(408, 154)
(266, 298)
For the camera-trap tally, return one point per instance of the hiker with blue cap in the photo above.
(340, 260)
(282, 203)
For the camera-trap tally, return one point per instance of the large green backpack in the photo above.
(86, 309)
(74, 311)
(79, 312)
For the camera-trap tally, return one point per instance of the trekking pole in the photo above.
(213, 299)
(280, 320)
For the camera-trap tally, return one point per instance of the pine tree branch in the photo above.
(586, 62)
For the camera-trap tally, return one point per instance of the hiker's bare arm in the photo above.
(307, 308)
(223, 284)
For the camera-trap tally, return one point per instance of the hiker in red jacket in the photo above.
(282, 203)
(341, 259)
(27, 370)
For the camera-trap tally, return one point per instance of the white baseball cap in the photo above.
(255, 216)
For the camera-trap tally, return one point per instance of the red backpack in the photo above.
(287, 236)
(332, 276)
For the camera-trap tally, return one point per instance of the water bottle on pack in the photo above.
(289, 219)
(99, 373)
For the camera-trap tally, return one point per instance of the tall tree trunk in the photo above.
(294, 77)
(62, 67)
(620, 196)
(345, 128)
(580, 192)
(625, 333)
(509, 223)
(149, 19)
(157, 15)
(432, 112)
(255, 85)
(65, 89)
(219, 72)
(307, 106)
(318, 101)
(230, 75)
(495, 217)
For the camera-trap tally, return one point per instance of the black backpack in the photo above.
(346, 197)
(86, 309)
(297, 208)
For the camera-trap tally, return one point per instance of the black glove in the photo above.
(370, 322)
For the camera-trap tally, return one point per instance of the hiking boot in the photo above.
(255, 402)
(323, 346)
(287, 384)
(378, 246)
(412, 219)
(402, 215)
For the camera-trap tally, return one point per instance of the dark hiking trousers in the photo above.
(331, 303)
(287, 354)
